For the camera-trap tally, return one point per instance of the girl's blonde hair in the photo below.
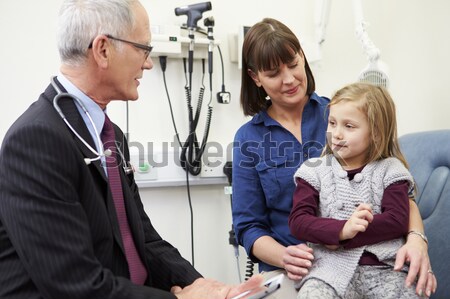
(376, 103)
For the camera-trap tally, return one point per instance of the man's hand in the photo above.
(204, 288)
(358, 222)
(253, 283)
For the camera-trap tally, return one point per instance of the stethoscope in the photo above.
(127, 168)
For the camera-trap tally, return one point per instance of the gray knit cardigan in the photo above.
(338, 198)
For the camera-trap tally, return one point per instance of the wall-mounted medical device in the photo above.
(173, 41)
(177, 42)
(198, 43)
(376, 71)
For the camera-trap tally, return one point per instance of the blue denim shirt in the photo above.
(265, 158)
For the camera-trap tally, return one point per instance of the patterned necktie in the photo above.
(138, 273)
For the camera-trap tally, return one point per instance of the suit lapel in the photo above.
(74, 118)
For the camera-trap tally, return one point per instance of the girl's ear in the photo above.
(254, 77)
(376, 138)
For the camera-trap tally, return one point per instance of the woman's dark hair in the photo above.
(266, 45)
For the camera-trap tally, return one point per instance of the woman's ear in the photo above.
(254, 77)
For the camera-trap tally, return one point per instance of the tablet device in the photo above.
(269, 287)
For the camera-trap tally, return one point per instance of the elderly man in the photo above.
(72, 224)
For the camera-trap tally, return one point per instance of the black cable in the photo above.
(192, 151)
(227, 170)
(191, 209)
(223, 68)
(127, 132)
(190, 157)
(200, 95)
(163, 63)
(250, 265)
(249, 269)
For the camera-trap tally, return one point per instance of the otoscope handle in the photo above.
(193, 12)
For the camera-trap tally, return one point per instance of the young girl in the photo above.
(352, 203)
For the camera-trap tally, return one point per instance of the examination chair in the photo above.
(428, 155)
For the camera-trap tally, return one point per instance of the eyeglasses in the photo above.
(147, 49)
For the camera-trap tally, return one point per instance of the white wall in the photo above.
(412, 35)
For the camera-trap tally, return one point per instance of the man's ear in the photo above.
(101, 50)
(254, 77)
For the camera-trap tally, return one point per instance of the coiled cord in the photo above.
(249, 268)
(192, 151)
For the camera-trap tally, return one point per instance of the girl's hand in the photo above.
(358, 222)
(332, 247)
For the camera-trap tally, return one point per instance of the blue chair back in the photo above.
(428, 156)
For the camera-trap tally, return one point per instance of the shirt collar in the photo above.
(96, 113)
(263, 116)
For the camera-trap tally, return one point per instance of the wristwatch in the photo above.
(413, 232)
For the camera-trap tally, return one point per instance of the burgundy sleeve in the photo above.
(303, 221)
(393, 221)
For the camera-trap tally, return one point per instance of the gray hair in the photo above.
(80, 21)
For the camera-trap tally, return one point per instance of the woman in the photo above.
(288, 127)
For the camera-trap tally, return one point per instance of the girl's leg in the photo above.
(384, 282)
(316, 289)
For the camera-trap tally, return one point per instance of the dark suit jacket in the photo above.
(59, 236)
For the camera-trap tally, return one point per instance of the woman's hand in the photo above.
(297, 259)
(415, 251)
